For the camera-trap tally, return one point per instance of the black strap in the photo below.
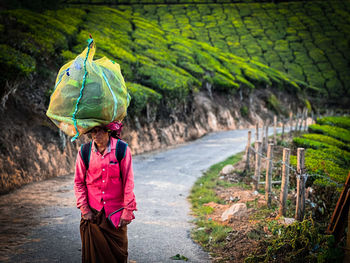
(121, 150)
(120, 154)
(85, 151)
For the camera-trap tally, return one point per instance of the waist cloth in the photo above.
(101, 241)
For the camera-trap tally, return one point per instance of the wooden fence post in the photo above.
(275, 129)
(347, 248)
(290, 124)
(282, 136)
(305, 123)
(247, 152)
(263, 137)
(256, 178)
(285, 182)
(268, 178)
(266, 134)
(257, 132)
(300, 205)
(301, 119)
(296, 122)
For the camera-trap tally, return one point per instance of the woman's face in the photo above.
(100, 136)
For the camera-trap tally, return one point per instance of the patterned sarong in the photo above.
(101, 241)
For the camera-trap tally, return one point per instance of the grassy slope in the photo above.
(203, 191)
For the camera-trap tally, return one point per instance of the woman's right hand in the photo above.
(88, 216)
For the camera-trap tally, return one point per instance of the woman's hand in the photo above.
(123, 222)
(88, 216)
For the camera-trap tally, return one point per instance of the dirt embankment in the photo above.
(32, 148)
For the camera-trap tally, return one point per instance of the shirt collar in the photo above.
(109, 148)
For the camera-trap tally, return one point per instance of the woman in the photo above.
(103, 184)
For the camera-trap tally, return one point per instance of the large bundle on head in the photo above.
(87, 94)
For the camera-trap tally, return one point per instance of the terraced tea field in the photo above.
(169, 51)
(309, 41)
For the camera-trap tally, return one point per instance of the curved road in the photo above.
(40, 223)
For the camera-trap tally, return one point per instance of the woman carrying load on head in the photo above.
(103, 185)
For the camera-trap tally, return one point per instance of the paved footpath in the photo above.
(40, 223)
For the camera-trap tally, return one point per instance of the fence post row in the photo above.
(256, 178)
(300, 119)
(300, 205)
(285, 182)
(268, 178)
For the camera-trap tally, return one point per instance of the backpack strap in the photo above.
(120, 153)
(121, 150)
(85, 151)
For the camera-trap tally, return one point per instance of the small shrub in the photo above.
(274, 104)
(16, 63)
(140, 97)
(299, 242)
(244, 111)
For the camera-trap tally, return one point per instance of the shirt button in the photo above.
(104, 202)
(103, 192)
(103, 157)
(103, 169)
(103, 181)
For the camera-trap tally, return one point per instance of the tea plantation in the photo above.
(169, 51)
(309, 41)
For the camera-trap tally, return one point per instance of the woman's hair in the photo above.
(114, 134)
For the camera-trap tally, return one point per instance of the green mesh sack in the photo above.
(87, 94)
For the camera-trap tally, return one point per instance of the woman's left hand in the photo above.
(124, 222)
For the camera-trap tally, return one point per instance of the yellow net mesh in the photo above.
(87, 94)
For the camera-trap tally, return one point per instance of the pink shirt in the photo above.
(101, 186)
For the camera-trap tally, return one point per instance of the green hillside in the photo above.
(168, 52)
(309, 41)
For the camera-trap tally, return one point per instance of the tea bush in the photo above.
(342, 122)
(307, 143)
(327, 152)
(333, 131)
(323, 167)
(140, 97)
(326, 139)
